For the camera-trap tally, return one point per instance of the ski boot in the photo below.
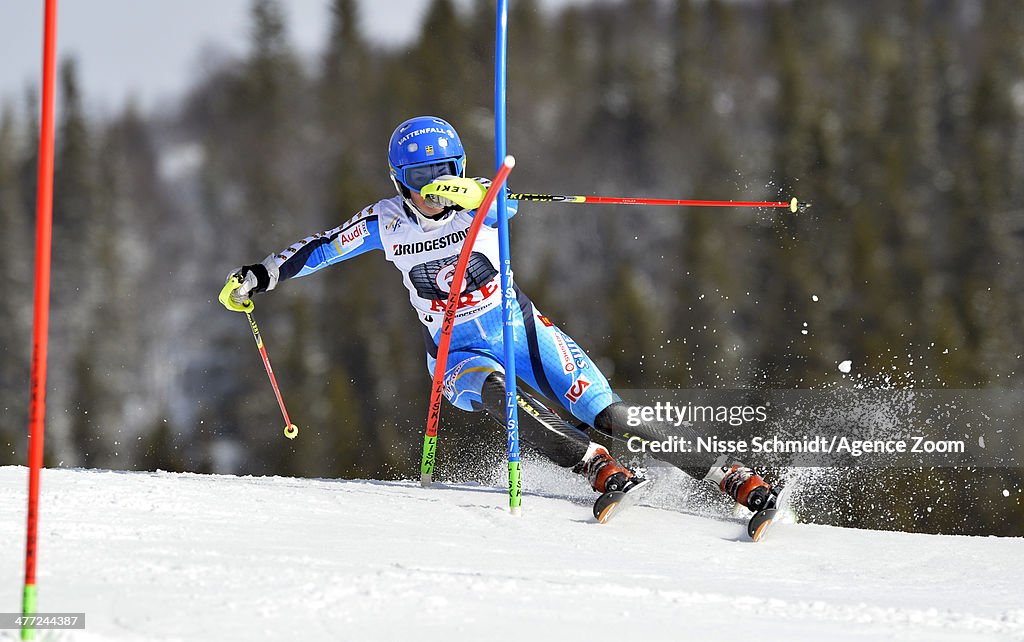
(604, 473)
(745, 486)
(620, 487)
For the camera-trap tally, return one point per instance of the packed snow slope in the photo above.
(160, 556)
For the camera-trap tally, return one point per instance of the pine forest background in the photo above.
(902, 121)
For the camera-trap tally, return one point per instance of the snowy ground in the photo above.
(158, 556)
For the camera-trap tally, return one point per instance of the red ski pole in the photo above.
(291, 431)
(793, 205)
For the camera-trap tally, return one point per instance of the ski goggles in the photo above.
(416, 176)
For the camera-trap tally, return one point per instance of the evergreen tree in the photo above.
(16, 305)
(436, 80)
(76, 292)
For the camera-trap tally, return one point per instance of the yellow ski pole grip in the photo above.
(464, 192)
(233, 284)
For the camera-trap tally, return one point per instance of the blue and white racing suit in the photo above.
(547, 359)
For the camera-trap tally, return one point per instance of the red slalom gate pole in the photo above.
(41, 321)
(448, 321)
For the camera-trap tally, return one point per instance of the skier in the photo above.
(423, 235)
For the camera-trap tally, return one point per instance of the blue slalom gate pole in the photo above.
(508, 295)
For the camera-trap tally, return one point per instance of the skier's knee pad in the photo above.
(492, 396)
(540, 427)
(615, 422)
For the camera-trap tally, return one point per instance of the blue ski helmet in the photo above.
(422, 149)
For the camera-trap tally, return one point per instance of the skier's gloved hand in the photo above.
(245, 281)
(235, 294)
(455, 192)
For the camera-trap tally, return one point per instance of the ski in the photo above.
(613, 502)
(761, 522)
